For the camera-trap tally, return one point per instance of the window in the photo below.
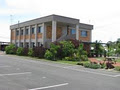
(84, 33)
(33, 44)
(21, 44)
(73, 31)
(21, 32)
(26, 32)
(16, 44)
(17, 33)
(33, 29)
(39, 44)
(27, 45)
(39, 29)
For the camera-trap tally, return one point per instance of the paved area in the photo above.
(20, 73)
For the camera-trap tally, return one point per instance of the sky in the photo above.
(103, 14)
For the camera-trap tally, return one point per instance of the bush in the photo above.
(30, 52)
(19, 51)
(117, 68)
(90, 65)
(25, 51)
(68, 59)
(80, 63)
(39, 52)
(10, 49)
(48, 55)
(109, 65)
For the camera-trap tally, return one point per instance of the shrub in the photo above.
(67, 48)
(117, 68)
(48, 55)
(109, 65)
(30, 52)
(25, 51)
(39, 52)
(10, 49)
(93, 66)
(80, 63)
(68, 59)
(19, 51)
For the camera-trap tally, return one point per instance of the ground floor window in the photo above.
(21, 44)
(27, 45)
(84, 33)
(33, 44)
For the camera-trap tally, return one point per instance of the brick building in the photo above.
(48, 29)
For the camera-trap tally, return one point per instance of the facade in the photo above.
(43, 31)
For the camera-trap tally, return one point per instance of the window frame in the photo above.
(84, 34)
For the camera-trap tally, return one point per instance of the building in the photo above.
(48, 29)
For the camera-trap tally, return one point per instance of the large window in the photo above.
(21, 32)
(39, 29)
(84, 33)
(73, 31)
(33, 44)
(33, 29)
(26, 31)
(17, 33)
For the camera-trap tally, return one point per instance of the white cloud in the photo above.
(103, 14)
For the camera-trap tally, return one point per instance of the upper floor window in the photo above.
(17, 33)
(73, 31)
(21, 32)
(33, 29)
(26, 32)
(84, 33)
(39, 29)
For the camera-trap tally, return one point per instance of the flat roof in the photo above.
(51, 18)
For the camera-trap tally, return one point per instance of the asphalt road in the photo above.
(20, 73)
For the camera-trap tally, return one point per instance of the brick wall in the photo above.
(88, 38)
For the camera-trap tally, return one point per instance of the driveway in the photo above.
(22, 73)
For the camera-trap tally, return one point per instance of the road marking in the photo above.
(117, 75)
(15, 74)
(50, 86)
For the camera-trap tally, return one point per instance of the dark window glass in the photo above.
(33, 29)
(17, 33)
(73, 31)
(84, 33)
(39, 29)
(26, 32)
(21, 32)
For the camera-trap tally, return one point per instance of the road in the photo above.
(22, 73)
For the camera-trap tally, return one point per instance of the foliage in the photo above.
(117, 68)
(20, 51)
(11, 49)
(68, 59)
(48, 55)
(30, 52)
(52, 52)
(75, 42)
(91, 65)
(25, 51)
(67, 48)
(39, 52)
(81, 53)
(109, 65)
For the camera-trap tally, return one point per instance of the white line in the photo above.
(117, 75)
(50, 86)
(15, 74)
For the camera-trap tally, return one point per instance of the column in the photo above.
(24, 37)
(43, 34)
(36, 35)
(15, 36)
(54, 31)
(19, 37)
(77, 31)
(29, 36)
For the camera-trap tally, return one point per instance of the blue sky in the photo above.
(103, 14)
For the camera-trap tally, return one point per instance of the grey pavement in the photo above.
(21, 73)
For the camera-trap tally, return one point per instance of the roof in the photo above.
(51, 18)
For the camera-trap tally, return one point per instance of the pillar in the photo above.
(77, 31)
(36, 35)
(54, 23)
